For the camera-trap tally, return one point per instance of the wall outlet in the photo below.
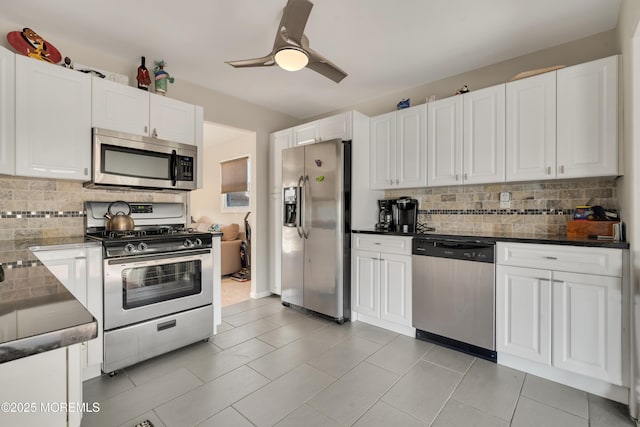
(505, 200)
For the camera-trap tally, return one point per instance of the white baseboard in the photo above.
(581, 382)
(395, 327)
(260, 294)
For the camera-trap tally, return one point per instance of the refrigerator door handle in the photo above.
(304, 199)
(299, 207)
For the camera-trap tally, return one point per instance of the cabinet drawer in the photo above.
(601, 261)
(387, 244)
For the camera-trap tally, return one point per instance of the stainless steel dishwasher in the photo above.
(454, 294)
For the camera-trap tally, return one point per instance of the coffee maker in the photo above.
(385, 215)
(405, 215)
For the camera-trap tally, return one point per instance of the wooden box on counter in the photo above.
(585, 228)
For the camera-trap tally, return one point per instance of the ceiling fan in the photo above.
(291, 48)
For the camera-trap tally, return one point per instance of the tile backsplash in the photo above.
(539, 208)
(32, 208)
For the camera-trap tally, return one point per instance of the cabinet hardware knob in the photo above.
(550, 257)
(457, 177)
(397, 181)
(146, 129)
(155, 133)
(561, 168)
(465, 176)
(548, 170)
(391, 181)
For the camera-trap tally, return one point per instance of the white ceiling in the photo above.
(384, 45)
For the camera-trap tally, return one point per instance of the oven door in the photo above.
(146, 287)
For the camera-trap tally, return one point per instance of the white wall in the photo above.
(629, 44)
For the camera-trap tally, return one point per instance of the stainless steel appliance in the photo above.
(316, 227)
(453, 298)
(405, 215)
(158, 282)
(122, 160)
(385, 215)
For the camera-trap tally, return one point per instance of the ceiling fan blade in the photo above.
(322, 65)
(265, 61)
(294, 19)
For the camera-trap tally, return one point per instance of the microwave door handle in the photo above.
(174, 168)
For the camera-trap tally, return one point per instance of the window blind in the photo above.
(233, 177)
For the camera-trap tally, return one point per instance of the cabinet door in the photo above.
(395, 288)
(338, 126)
(119, 107)
(523, 313)
(444, 142)
(366, 283)
(588, 119)
(70, 268)
(383, 151)
(587, 333)
(307, 133)
(41, 378)
(484, 123)
(275, 239)
(7, 112)
(278, 141)
(53, 121)
(171, 120)
(531, 128)
(411, 147)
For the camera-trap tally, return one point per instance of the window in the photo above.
(235, 184)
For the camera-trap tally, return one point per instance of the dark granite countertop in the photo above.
(507, 237)
(37, 313)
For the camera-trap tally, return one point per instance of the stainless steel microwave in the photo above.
(122, 160)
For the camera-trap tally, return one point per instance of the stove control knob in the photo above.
(198, 242)
(142, 246)
(187, 243)
(128, 248)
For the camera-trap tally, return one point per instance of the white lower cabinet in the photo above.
(381, 282)
(80, 271)
(587, 325)
(523, 313)
(38, 387)
(568, 322)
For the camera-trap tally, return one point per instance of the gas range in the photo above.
(158, 229)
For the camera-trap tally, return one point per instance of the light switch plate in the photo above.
(505, 200)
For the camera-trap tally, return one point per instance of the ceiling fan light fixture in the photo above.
(291, 59)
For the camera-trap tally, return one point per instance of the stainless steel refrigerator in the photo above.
(316, 264)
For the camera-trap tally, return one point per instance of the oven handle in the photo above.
(170, 255)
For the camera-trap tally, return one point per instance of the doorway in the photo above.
(209, 208)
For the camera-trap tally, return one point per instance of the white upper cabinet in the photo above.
(383, 153)
(444, 141)
(128, 109)
(53, 120)
(588, 119)
(483, 135)
(278, 141)
(465, 140)
(338, 126)
(171, 120)
(119, 107)
(7, 112)
(399, 149)
(531, 128)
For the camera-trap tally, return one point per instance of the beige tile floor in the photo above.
(234, 292)
(271, 365)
